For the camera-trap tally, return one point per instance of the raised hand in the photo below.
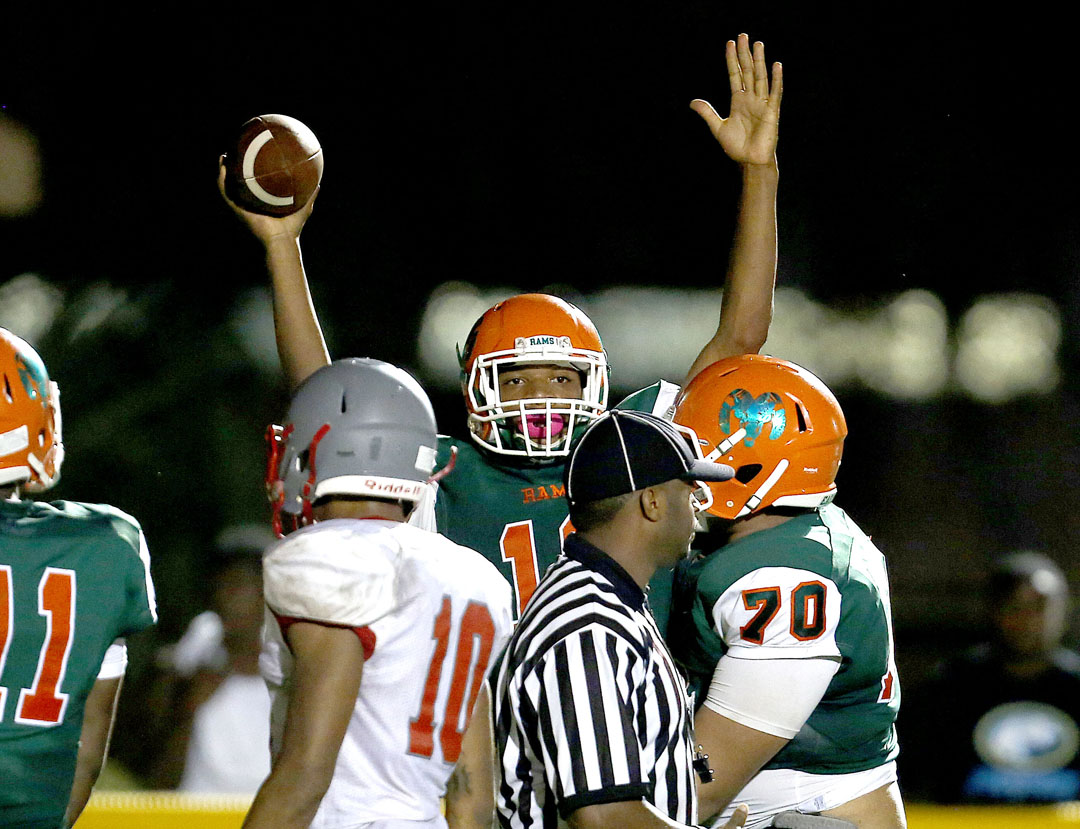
(268, 228)
(749, 133)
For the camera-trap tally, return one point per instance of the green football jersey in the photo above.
(815, 586)
(514, 513)
(657, 399)
(73, 578)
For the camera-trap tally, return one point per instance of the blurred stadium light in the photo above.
(1004, 346)
(899, 349)
(20, 169)
(1007, 345)
(97, 304)
(451, 310)
(28, 306)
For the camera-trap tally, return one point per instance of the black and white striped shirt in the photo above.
(588, 706)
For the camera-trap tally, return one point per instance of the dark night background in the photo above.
(543, 146)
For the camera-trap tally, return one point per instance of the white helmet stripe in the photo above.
(15, 440)
(14, 474)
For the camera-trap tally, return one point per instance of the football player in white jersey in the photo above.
(378, 634)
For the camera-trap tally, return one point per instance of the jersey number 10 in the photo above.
(473, 648)
(42, 704)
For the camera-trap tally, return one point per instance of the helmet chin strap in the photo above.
(726, 444)
(305, 493)
(763, 490)
(446, 470)
(275, 487)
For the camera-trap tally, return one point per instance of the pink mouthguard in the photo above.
(537, 425)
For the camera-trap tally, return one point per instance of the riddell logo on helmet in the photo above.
(386, 488)
(540, 343)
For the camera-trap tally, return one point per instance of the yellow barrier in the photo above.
(171, 810)
(921, 816)
(163, 810)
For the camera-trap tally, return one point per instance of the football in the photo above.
(274, 167)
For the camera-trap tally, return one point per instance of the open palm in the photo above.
(749, 133)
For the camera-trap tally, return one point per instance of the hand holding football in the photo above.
(275, 167)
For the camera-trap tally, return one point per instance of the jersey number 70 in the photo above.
(42, 704)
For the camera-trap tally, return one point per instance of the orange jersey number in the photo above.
(518, 545)
(42, 704)
(473, 647)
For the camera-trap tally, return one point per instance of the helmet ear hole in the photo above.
(7, 391)
(344, 404)
(745, 474)
(804, 422)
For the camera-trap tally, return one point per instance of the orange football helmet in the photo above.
(31, 447)
(776, 423)
(523, 331)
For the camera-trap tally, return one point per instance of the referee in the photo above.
(592, 721)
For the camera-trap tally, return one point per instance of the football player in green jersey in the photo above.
(74, 580)
(533, 368)
(784, 626)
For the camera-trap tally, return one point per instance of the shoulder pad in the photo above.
(343, 573)
(658, 399)
(122, 525)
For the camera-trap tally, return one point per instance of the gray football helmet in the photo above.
(357, 427)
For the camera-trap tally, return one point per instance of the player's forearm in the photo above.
(300, 342)
(746, 309)
(751, 276)
(736, 753)
(99, 715)
(470, 800)
(289, 797)
(87, 770)
(470, 791)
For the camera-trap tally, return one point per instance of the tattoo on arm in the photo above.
(459, 783)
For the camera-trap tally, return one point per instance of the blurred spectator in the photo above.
(1001, 723)
(210, 705)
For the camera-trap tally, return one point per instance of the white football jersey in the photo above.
(439, 614)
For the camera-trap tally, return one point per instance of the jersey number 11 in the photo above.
(42, 704)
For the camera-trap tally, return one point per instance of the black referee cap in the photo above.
(624, 451)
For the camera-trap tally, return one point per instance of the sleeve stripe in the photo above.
(572, 733)
(365, 634)
(627, 765)
(144, 557)
(599, 703)
(554, 770)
